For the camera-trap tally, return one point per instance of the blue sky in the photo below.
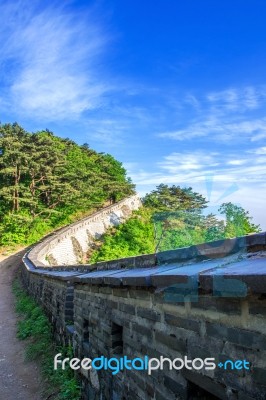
(176, 90)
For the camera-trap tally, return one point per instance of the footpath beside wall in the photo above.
(206, 301)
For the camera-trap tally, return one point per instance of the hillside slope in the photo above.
(47, 181)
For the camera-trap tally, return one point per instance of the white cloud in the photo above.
(234, 99)
(51, 56)
(195, 161)
(192, 100)
(195, 167)
(221, 129)
(228, 99)
(116, 125)
(259, 136)
(236, 114)
(260, 150)
(236, 162)
(233, 177)
(197, 129)
(110, 131)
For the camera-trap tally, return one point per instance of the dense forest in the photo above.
(47, 181)
(171, 217)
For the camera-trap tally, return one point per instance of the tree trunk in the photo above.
(16, 189)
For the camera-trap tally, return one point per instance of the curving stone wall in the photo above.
(202, 301)
(69, 245)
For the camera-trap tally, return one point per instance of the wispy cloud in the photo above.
(233, 99)
(236, 162)
(108, 131)
(235, 177)
(49, 60)
(194, 166)
(192, 100)
(260, 150)
(193, 161)
(117, 125)
(225, 115)
(221, 129)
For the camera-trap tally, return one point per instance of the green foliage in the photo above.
(45, 181)
(171, 218)
(238, 221)
(36, 328)
(169, 198)
(13, 228)
(133, 237)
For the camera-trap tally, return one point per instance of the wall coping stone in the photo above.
(215, 266)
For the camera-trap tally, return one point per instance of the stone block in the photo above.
(127, 308)
(148, 314)
(171, 342)
(139, 294)
(216, 330)
(227, 306)
(215, 388)
(175, 387)
(112, 304)
(259, 376)
(120, 292)
(142, 330)
(185, 323)
(247, 338)
(164, 395)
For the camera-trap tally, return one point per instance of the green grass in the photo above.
(35, 328)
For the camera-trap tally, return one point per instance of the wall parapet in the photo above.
(70, 244)
(202, 301)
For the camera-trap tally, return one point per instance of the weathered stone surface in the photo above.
(148, 314)
(236, 279)
(215, 388)
(70, 244)
(143, 317)
(259, 375)
(171, 342)
(127, 308)
(208, 302)
(181, 322)
(175, 387)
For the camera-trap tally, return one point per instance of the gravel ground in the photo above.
(19, 380)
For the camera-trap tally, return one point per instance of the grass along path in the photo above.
(35, 327)
(26, 365)
(19, 380)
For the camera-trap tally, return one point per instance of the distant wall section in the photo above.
(69, 245)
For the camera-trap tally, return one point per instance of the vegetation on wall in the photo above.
(172, 217)
(46, 180)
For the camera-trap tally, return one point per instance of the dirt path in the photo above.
(19, 380)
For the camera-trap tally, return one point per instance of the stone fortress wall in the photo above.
(201, 301)
(69, 245)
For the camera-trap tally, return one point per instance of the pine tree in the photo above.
(45, 179)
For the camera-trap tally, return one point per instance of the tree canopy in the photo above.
(47, 181)
(173, 198)
(44, 180)
(238, 222)
(172, 217)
